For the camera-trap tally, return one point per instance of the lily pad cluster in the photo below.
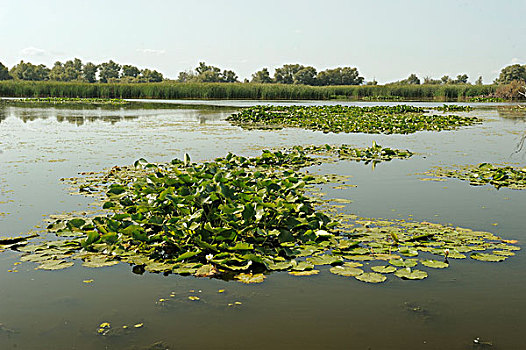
(453, 108)
(68, 101)
(401, 119)
(485, 173)
(231, 214)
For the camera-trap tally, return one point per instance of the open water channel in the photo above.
(448, 310)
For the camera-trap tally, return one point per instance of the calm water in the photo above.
(56, 310)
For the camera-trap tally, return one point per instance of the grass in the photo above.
(172, 90)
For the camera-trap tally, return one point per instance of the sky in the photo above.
(386, 40)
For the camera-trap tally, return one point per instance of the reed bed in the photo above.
(172, 90)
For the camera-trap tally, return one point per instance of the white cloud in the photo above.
(152, 51)
(33, 51)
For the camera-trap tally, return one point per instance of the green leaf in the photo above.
(409, 274)
(383, 269)
(371, 277)
(346, 271)
(488, 257)
(434, 264)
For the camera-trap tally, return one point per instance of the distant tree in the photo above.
(446, 79)
(208, 74)
(412, 80)
(4, 72)
(151, 76)
(305, 76)
(109, 70)
(510, 73)
(57, 72)
(339, 76)
(431, 81)
(262, 77)
(479, 81)
(130, 71)
(89, 72)
(350, 76)
(461, 79)
(29, 71)
(285, 74)
(372, 82)
(186, 76)
(229, 76)
(73, 70)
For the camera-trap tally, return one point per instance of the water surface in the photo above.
(55, 309)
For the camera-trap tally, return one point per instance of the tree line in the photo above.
(76, 71)
(112, 72)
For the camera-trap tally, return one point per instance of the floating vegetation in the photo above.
(486, 99)
(374, 120)
(69, 101)
(238, 217)
(453, 108)
(485, 173)
(382, 98)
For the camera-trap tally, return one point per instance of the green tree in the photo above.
(446, 79)
(461, 79)
(411, 80)
(339, 76)
(479, 81)
(130, 71)
(150, 76)
(29, 71)
(285, 74)
(229, 76)
(511, 73)
(73, 70)
(186, 76)
(431, 81)
(57, 72)
(109, 70)
(262, 77)
(89, 72)
(305, 76)
(4, 72)
(350, 76)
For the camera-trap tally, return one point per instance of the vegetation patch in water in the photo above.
(68, 101)
(241, 217)
(485, 173)
(453, 108)
(373, 120)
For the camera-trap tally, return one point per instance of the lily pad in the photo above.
(434, 264)
(409, 274)
(55, 265)
(250, 278)
(304, 273)
(403, 263)
(346, 271)
(383, 269)
(488, 257)
(325, 260)
(371, 277)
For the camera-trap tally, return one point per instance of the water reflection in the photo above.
(112, 116)
(515, 113)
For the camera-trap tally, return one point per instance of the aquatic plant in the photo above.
(240, 216)
(172, 90)
(401, 119)
(485, 173)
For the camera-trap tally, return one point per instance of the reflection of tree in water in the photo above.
(80, 117)
(3, 114)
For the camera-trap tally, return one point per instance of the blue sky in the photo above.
(385, 39)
